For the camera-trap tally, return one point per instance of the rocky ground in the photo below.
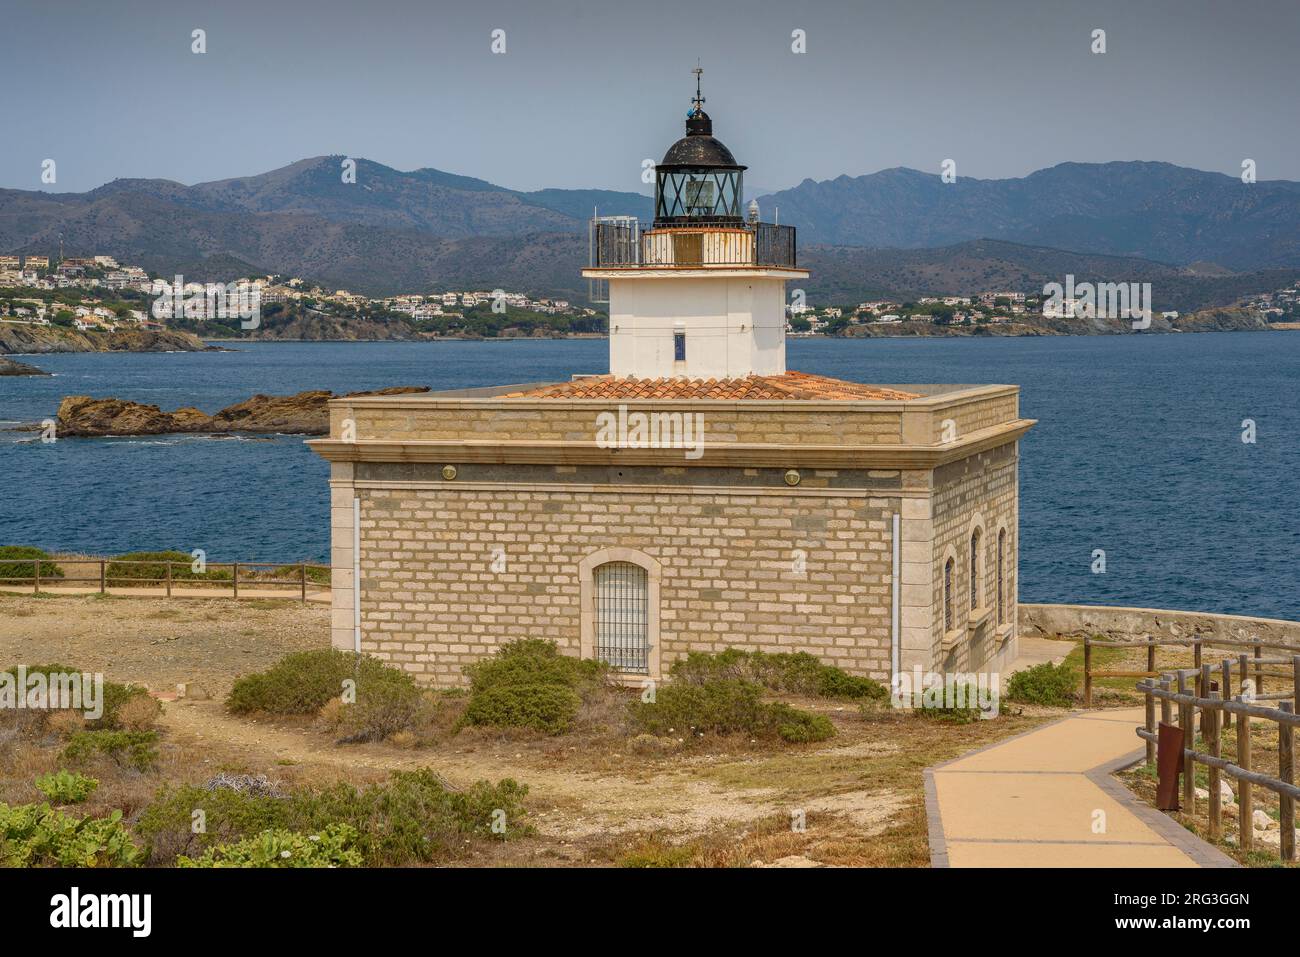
(306, 413)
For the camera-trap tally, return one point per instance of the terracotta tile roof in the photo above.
(791, 385)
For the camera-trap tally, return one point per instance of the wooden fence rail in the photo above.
(271, 576)
(1216, 708)
(1198, 646)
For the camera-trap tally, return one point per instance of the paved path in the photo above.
(1032, 800)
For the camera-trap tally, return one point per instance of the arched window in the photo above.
(947, 595)
(622, 617)
(1002, 576)
(975, 569)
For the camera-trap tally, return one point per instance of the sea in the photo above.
(1140, 451)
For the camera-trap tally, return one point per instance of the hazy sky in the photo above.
(586, 90)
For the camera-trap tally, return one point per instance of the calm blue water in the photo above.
(1138, 451)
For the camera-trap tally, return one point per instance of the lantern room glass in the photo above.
(703, 195)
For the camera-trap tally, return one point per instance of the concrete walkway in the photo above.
(1046, 798)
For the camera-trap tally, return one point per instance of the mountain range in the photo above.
(897, 232)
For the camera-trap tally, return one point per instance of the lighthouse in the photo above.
(699, 291)
(873, 527)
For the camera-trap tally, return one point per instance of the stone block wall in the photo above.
(451, 570)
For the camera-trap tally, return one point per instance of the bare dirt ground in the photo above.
(595, 798)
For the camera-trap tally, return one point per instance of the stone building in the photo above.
(699, 496)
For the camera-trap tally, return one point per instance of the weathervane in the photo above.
(698, 102)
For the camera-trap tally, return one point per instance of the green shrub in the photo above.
(952, 703)
(549, 708)
(796, 672)
(1045, 684)
(36, 835)
(332, 847)
(410, 819)
(19, 562)
(800, 727)
(725, 706)
(135, 749)
(301, 683)
(316, 574)
(115, 694)
(529, 684)
(66, 787)
(153, 568)
(533, 661)
(387, 702)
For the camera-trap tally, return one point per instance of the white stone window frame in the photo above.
(948, 601)
(587, 618)
(1006, 592)
(977, 583)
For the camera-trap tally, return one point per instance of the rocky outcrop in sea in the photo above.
(18, 338)
(14, 367)
(306, 413)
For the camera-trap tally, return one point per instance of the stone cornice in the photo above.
(726, 454)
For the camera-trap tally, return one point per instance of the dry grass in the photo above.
(596, 794)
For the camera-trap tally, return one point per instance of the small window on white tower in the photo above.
(679, 345)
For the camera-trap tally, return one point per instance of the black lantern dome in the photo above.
(699, 181)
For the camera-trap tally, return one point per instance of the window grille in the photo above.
(1002, 576)
(947, 596)
(623, 617)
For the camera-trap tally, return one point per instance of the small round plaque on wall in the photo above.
(449, 472)
(792, 477)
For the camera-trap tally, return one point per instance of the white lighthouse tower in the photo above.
(699, 293)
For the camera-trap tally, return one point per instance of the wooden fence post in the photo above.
(1295, 680)
(1245, 800)
(1286, 771)
(1186, 721)
(1166, 707)
(1210, 729)
(169, 579)
(103, 577)
(1259, 668)
(36, 577)
(304, 582)
(1087, 671)
(1196, 646)
(234, 577)
(1225, 685)
(1151, 723)
(1203, 691)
